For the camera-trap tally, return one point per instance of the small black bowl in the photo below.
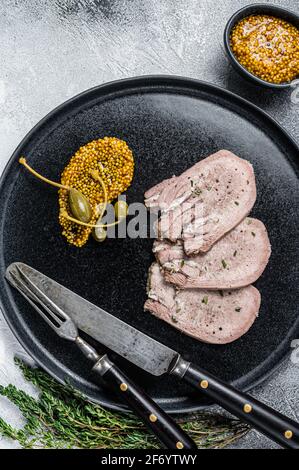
(256, 9)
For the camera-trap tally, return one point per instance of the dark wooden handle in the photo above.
(276, 426)
(163, 426)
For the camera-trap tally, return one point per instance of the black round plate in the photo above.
(170, 123)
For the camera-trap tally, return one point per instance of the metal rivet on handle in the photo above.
(153, 418)
(247, 408)
(123, 387)
(204, 384)
(179, 445)
(288, 434)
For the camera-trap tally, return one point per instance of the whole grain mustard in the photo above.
(114, 161)
(268, 47)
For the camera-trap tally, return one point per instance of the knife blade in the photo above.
(125, 340)
(157, 359)
(170, 434)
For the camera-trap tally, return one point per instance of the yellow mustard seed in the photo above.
(268, 47)
(114, 161)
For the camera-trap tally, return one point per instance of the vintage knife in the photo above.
(158, 359)
(170, 434)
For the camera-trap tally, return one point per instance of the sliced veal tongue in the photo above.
(236, 260)
(221, 187)
(210, 316)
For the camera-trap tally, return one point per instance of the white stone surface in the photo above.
(53, 49)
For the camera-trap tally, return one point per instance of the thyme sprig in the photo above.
(62, 418)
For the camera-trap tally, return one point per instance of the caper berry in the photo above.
(79, 205)
(99, 234)
(120, 209)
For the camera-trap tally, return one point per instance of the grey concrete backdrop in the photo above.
(53, 49)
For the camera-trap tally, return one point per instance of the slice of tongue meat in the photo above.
(204, 202)
(209, 316)
(236, 260)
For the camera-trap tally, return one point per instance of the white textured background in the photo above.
(53, 49)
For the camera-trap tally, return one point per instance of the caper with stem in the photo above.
(99, 234)
(82, 206)
(79, 204)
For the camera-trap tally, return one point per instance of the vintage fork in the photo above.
(162, 425)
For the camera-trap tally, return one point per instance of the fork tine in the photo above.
(33, 295)
(42, 298)
(18, 285)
